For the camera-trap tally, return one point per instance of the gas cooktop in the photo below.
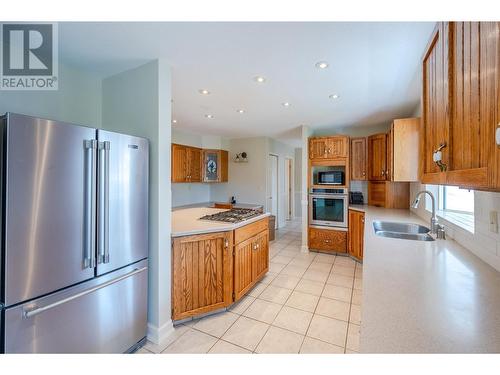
(234, 215)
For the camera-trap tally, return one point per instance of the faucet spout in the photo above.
(434, 220)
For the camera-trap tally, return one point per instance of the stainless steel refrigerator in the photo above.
(74, 241)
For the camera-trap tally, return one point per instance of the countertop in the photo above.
(211, 205)
(186, 222)
(425, 297)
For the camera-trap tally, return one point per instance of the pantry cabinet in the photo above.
(460, 106)
(358, 159)
(202, 273)
(355, 244)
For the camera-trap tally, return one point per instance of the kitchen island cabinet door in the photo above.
(260, 255)
(202, 274)
(243, 262)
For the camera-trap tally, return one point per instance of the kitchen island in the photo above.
(425, 297)
(215, 263)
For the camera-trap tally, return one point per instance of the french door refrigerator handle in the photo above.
(28, 312)
(90, 203)
(103, 234)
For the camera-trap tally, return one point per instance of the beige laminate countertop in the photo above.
(186, 222)
(425, 297)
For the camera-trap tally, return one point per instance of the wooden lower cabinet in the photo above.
(212, 271)
(356, 235)
(202, 274)
(327, 240)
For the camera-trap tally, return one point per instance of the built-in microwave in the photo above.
(330, 178)
(328, 207)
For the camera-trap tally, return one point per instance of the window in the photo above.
(457, 200)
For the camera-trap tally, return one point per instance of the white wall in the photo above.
(298, 182)
(134, 103)
(78, 99)
(247, 181)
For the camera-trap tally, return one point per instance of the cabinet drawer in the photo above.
(243, 233)
(328, 240)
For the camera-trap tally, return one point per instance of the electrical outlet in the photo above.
(494, 221)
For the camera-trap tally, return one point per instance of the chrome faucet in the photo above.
(435, 227)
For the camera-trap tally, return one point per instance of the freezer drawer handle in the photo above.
(32, 311)
(90, 204)
(103, 220)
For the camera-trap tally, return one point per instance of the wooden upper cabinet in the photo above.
(358, 159)
(460, 105)
(191, 164)
(194, 164)
(179, 163)
(202, 274)
(403, 150)
(321, 148)
(377, 157)
(435, 106)
(355, 243)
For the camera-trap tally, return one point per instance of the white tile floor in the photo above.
(307, 303)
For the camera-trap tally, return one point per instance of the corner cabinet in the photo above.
(202, 273)
(356, 235)
(460, 106)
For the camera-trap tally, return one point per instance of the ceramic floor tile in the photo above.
(192, 342)
(279, 340)
(285, 281)
(310, 287)
(216, 325)
(275, 267)
(340, 280)
(358, 273)
(224, 347)
(291, 270)
(288, 253)
(293, 320)
(318, 266)
(246, 333)
(325, 258)
(302, 301)
(313, 346)
(357, 297)
(282, 259)
(179, 330)
(240, 306)
(353, 337)
(257, 290)
(268, 278)
(262, 311)
(355, 316)
(143, 351)
(326, 329)
(298, 262)
(306, 256)
(337, 292)
(275, 294)
(358, 284)
(318, 276)
(341, 270)
(333, 309)
(345, 262)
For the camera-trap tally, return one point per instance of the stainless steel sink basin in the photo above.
(405, 231)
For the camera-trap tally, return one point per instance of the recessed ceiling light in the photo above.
(322, 65)
(260, 79)
(334, 96)
(204, 91)
(240, 110)
(174, 121)
(209, 116)
(285, 104)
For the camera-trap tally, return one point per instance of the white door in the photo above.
(272, 180)
(288, 187)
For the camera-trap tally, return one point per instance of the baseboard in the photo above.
(158, 335)
(304, 249)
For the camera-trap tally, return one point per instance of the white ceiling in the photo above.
(374, 68)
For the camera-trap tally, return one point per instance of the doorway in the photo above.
(272, 188)
(289, 188)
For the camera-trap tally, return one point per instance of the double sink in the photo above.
(405, 231)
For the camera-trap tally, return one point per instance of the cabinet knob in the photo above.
(383, 173)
